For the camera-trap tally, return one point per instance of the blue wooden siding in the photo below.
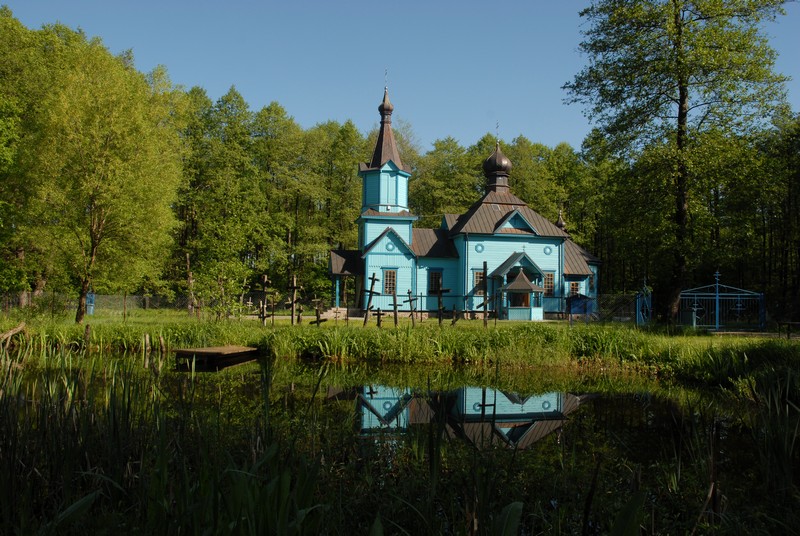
(373, 227)
(385, 190)
(450, 279)
(390, 253)
(384, 408)
(496, 249)
(472, 402)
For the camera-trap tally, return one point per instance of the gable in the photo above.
(389, 241)
(517, 259)
(515, 222)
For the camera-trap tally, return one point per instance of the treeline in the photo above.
(122, 182)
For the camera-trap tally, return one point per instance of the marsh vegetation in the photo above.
(689, 434)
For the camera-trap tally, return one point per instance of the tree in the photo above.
(671, 69)
(103, 164)
(446, 182)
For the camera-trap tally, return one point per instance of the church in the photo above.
(500, 256)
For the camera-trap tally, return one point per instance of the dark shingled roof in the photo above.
(577, 259)
(484, 216)
(522, 284)
(450, 220)
(433, 243)
(401, 214)
(346, 262)
(385, 147)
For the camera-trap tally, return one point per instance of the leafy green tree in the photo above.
(671, 69)
(776, 218)
(219, 209)
(103, 163)
(446, 182)
(277, 149)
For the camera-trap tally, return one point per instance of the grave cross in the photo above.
(371, 292)
(441, 304)
(379, 315)
(294, 287)
(394, 306)
(318, 311)
(410, 301)
(262, 305)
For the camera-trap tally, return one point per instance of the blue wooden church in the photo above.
(500, 254)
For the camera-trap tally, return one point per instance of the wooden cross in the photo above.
(371, 292)
(318, 311)
(441, 304)
(262, 305)
(410, 301)
(394, 306)
(293, 302)
(379, 315)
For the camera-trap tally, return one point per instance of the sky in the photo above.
(459, 68)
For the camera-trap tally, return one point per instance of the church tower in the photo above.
(384, 192)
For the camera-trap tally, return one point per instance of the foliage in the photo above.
(660, 74)
(253, 193)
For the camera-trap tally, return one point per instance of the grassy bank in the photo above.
(691, 359)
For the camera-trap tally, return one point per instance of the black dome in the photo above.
(497, 163)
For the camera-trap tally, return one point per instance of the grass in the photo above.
(100, 436)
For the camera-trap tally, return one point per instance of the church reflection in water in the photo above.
(483, 416)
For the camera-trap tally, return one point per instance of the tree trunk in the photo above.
(81, 312)
(681, 179)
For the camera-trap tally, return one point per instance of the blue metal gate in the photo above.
(722, 307)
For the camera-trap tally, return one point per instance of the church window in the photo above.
(574, 288)
(389, 282)
(480, 282)
(434, 281)
(549, 284)
(591, 282)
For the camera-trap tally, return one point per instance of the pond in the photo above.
(110, 443)
(579, 461)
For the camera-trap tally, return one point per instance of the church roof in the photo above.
(401, 214)
(385, 147)
(577, 259)
(433, 243)
(486, 214)
(346, 262)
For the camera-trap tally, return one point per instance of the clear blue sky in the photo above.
(455, 67)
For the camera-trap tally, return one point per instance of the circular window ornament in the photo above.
(476, 406)
(479, 248)
(545, 405)
(387, 406)
(548, 250)
(389, 247)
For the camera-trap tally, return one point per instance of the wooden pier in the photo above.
(214, 358)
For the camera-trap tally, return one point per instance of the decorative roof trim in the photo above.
(514, 259)
(509, 216)
(386, 232)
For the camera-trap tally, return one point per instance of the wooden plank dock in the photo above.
(213, 358)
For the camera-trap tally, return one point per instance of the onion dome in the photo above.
(560, 223)
(385, 146)
(497, 163)
(385, 107)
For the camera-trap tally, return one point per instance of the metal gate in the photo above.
(722, 307)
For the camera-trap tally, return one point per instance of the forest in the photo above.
(121, 182)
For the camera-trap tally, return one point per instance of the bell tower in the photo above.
(384, 191)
